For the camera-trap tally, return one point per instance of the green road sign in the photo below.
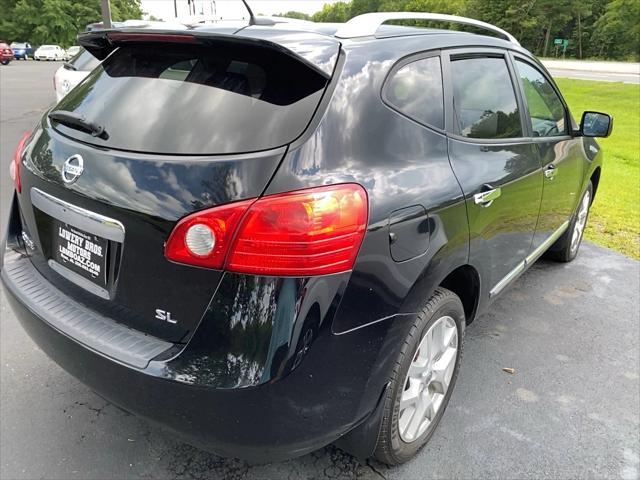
(558, 41)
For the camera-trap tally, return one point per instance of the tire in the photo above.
(399, 439)
(4, 62)
(567, 246)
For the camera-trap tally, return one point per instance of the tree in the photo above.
(294, 14)
(617, 31)
(337, 12)
(58, 21)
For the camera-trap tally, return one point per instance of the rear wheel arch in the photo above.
(464, 281)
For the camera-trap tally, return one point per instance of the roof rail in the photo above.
(367, 24)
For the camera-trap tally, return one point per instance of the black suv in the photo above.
(271, 238)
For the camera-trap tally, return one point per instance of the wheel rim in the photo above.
(581, 221)
(428, 379)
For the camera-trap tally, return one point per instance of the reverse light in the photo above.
(188, 241)
(200, 240)
(14, 167)
(316, 231)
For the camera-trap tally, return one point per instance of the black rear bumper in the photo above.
(317, 403)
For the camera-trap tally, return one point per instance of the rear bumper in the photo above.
(314, 405)
(259, 424)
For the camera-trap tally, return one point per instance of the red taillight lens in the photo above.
(307, 232)
(14, 167)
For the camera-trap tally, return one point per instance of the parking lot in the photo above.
(570, 410)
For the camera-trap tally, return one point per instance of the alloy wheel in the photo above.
(581, 221)
(428, 379)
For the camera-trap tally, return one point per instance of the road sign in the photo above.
(558, 41)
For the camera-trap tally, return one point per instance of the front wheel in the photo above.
(566, 247)
(423, 378)
(4, 62)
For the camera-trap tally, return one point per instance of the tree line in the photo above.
(57, 21)
(606, 29)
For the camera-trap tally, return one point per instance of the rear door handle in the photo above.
(485, 199)
(551, 171)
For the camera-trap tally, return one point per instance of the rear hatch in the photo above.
(187, 122)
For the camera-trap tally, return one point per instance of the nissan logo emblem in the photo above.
(72, 169)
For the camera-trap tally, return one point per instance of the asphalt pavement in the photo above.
(570, 410)
(603, 71)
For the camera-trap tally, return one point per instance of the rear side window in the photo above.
(83, 61)
(196, 99)
(416, 91)
(545, 108)
(484, 101)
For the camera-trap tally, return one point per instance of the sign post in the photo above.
(106, 14)
(561, 42)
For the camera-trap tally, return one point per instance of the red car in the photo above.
(6, 54)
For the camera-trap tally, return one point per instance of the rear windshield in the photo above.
(83, 61)
(193, 99)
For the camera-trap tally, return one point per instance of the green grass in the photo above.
(614, 220)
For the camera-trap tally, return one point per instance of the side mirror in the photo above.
(596, 124)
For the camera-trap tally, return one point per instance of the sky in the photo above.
(231, 9)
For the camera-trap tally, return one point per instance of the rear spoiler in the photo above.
(316, 51)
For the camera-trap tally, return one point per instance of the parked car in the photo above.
(49, 52)
(71, 73)
(266, 266)
(6, 54)
(22, 50)
(71, 52)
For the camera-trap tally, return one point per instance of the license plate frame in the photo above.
(82, 252)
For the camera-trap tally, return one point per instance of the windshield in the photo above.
(18, 45)
(221, 98)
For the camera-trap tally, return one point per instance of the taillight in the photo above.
(302, 233)
(14, 167)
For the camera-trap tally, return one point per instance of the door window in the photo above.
(415, 90)
(484, 101)
(545, 108)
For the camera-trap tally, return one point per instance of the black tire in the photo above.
(391, 448)
(5, 62)
(562, 250)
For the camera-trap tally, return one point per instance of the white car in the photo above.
(50, 52)
(72, 52)
(73, 72)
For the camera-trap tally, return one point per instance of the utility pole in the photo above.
(106, 14)
(175, 8)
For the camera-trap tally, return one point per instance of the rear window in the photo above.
(83, 61)
(190, 99)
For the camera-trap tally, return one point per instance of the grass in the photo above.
(614, 220)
